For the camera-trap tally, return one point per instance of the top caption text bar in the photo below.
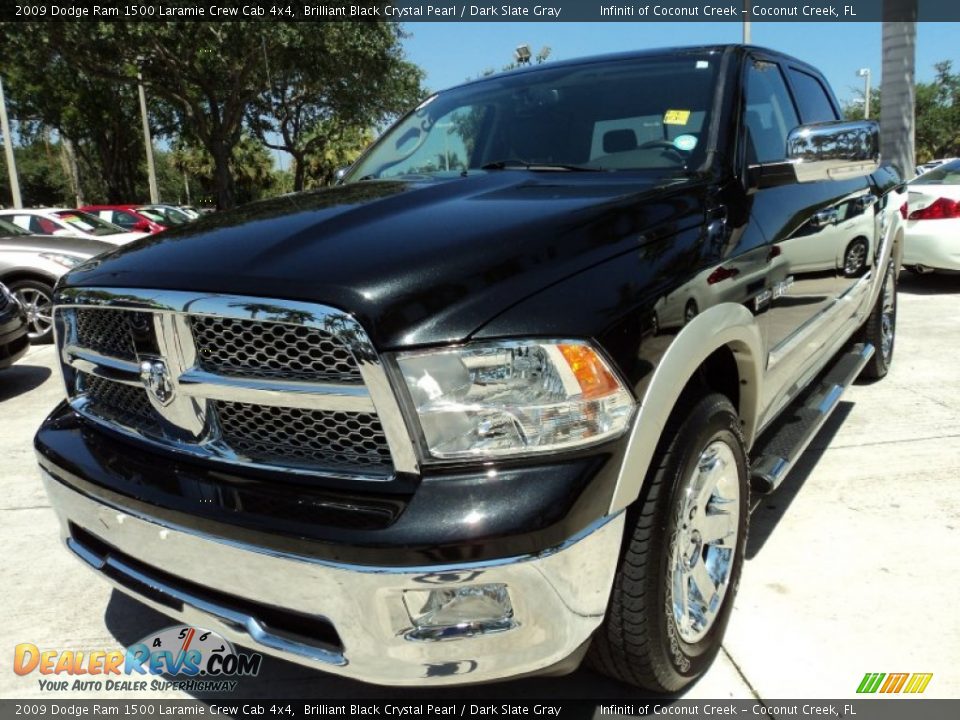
(446, 11)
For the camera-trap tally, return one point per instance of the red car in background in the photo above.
(126, 216)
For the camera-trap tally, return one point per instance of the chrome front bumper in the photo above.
(559, 596)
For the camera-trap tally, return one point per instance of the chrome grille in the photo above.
(311, 437)
(239, 380)
(124, 405)
(250, 348)
(109, 332)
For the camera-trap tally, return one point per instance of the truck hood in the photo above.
(415, 262)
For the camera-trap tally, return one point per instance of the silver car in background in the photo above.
(30, 266)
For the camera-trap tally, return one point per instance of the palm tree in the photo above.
(897, 84)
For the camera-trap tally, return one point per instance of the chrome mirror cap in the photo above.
(836, 150)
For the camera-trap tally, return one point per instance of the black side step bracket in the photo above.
(782, 444)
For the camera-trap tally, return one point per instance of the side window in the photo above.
(814, 102)
(23, 221)
(121, 218)
(769, 115)
(41, 225)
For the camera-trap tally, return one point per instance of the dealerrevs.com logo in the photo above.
(196, 659)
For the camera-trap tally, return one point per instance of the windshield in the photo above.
(88, 223)
(164, 214)
(946, 174)
(8, 228)
(638, 114)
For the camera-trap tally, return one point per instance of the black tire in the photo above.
(639, 641)
(37, 299)
(880, 329)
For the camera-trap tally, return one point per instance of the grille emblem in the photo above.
(156, 379)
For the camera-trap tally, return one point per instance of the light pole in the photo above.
(865, 74)
(746, 22)
(8, 149)
(151, 171)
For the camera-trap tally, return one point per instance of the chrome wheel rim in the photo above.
(705, 542)
(888, 315)
(39, 308)
(856, 256)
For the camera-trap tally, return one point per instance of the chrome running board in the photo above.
(784, 442)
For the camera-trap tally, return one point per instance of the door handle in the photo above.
(824, 217)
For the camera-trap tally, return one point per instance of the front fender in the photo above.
(727, 325)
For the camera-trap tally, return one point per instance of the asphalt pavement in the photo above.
(851, 566)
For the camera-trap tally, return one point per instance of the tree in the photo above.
(251, 168)
(329, 85)
(101, 120)
(541, 57)
(215, 77)
(41, 175)
(937, 114)
(897, 84)
(340, 144)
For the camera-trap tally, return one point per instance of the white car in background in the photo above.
(932, 237)
(70, 223)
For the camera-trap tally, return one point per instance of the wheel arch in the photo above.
(34, 275)
(718, 340)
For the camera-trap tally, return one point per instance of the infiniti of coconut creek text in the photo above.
(438, 11)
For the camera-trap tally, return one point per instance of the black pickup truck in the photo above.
(498, 402)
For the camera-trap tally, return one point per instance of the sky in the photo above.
(450, 53)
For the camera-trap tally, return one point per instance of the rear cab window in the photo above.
(812, 97)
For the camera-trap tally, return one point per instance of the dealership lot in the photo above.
(851, 566)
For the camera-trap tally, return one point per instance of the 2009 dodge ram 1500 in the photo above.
(498, 401)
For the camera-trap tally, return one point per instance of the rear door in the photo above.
(813, 229)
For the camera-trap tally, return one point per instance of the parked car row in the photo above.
(31, 264)
(116, 224)
(141, 218)
(39, 245)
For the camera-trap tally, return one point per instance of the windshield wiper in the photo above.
(535, 166)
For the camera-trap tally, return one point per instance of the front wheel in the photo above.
(680, 566)
(37, 299)
(880, 329)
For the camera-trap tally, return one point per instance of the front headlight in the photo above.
(514, 398)
(67, 261)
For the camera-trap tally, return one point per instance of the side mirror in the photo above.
(836, 150)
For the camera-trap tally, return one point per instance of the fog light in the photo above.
(458, 612)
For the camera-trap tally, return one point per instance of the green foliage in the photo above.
(250, 166)
(340, 145)
(938, 104)
(541, 57)
(45, 91)
(210, 85)
(937, 113)
(326, 87)
(41, 174)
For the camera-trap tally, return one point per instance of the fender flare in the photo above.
(728, 324)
